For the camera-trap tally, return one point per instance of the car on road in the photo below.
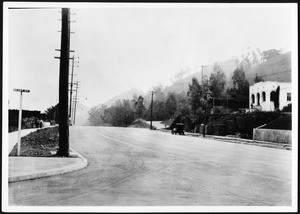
(179, 129)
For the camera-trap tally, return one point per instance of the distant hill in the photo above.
(125, 95)
(275, 69)
(228, 67)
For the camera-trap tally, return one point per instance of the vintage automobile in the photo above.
(179, 129)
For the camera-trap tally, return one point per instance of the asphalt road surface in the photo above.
(140, 167)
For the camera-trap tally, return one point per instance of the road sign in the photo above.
(22, 90)
(20, 118)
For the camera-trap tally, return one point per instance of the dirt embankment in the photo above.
(41, 143)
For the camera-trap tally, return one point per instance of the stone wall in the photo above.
(273, 135)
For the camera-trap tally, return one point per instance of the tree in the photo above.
(53, 113)
(122, 113)
(181, 74)
(106, 116)
(194, 95)
(252, 58)
(255, 59)
(258, 78)
(240, 84)
(139, 108)
(245, 64)
(171, 105)
(217, 81)
(183, 107)
(159, 110)
(96, 115)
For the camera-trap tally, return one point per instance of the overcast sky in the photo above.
(133, 46)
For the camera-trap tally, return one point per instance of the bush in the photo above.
(287, 108)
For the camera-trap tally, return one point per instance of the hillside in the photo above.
(125, 95)
(182, 85)
(275, 69)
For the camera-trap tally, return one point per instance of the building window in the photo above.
(253, 98)
(289, 97)
(264, 96)
(258, 99)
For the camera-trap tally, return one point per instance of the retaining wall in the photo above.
(273, 135)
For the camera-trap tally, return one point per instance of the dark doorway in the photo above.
(274, 96)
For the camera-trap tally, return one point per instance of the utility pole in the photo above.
(63, 149)
(202, 81)
(75, 101)
(71, 91)
(151, 116)
(203, 95)
(71, 85)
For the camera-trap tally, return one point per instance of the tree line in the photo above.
(168, 106)
(196, 101)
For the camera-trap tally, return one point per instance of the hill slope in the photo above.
(275, 69)
(125, 95)
(182, 85)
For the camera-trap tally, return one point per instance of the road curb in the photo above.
(238, 140)
(67, 169)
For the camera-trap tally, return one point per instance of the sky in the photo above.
(121, 47)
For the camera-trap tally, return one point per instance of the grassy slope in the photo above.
(39, 143)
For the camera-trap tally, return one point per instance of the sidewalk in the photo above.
(25, 168)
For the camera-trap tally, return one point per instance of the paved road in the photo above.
(140, 167)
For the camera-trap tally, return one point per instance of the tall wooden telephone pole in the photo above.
(63, 149)
(75, 100)
(71, 84)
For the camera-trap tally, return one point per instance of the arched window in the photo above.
(264, 96)
(258, 99)
(253, 98)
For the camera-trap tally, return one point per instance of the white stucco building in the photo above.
(267, 96)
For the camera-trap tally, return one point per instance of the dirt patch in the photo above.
(41, 143)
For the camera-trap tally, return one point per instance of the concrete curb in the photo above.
(238, 140)
(67, 169)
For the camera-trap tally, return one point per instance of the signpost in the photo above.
(20, 117)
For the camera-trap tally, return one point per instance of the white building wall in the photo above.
(285, 88)
(268, 87)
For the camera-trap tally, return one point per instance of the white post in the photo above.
(20, 125)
